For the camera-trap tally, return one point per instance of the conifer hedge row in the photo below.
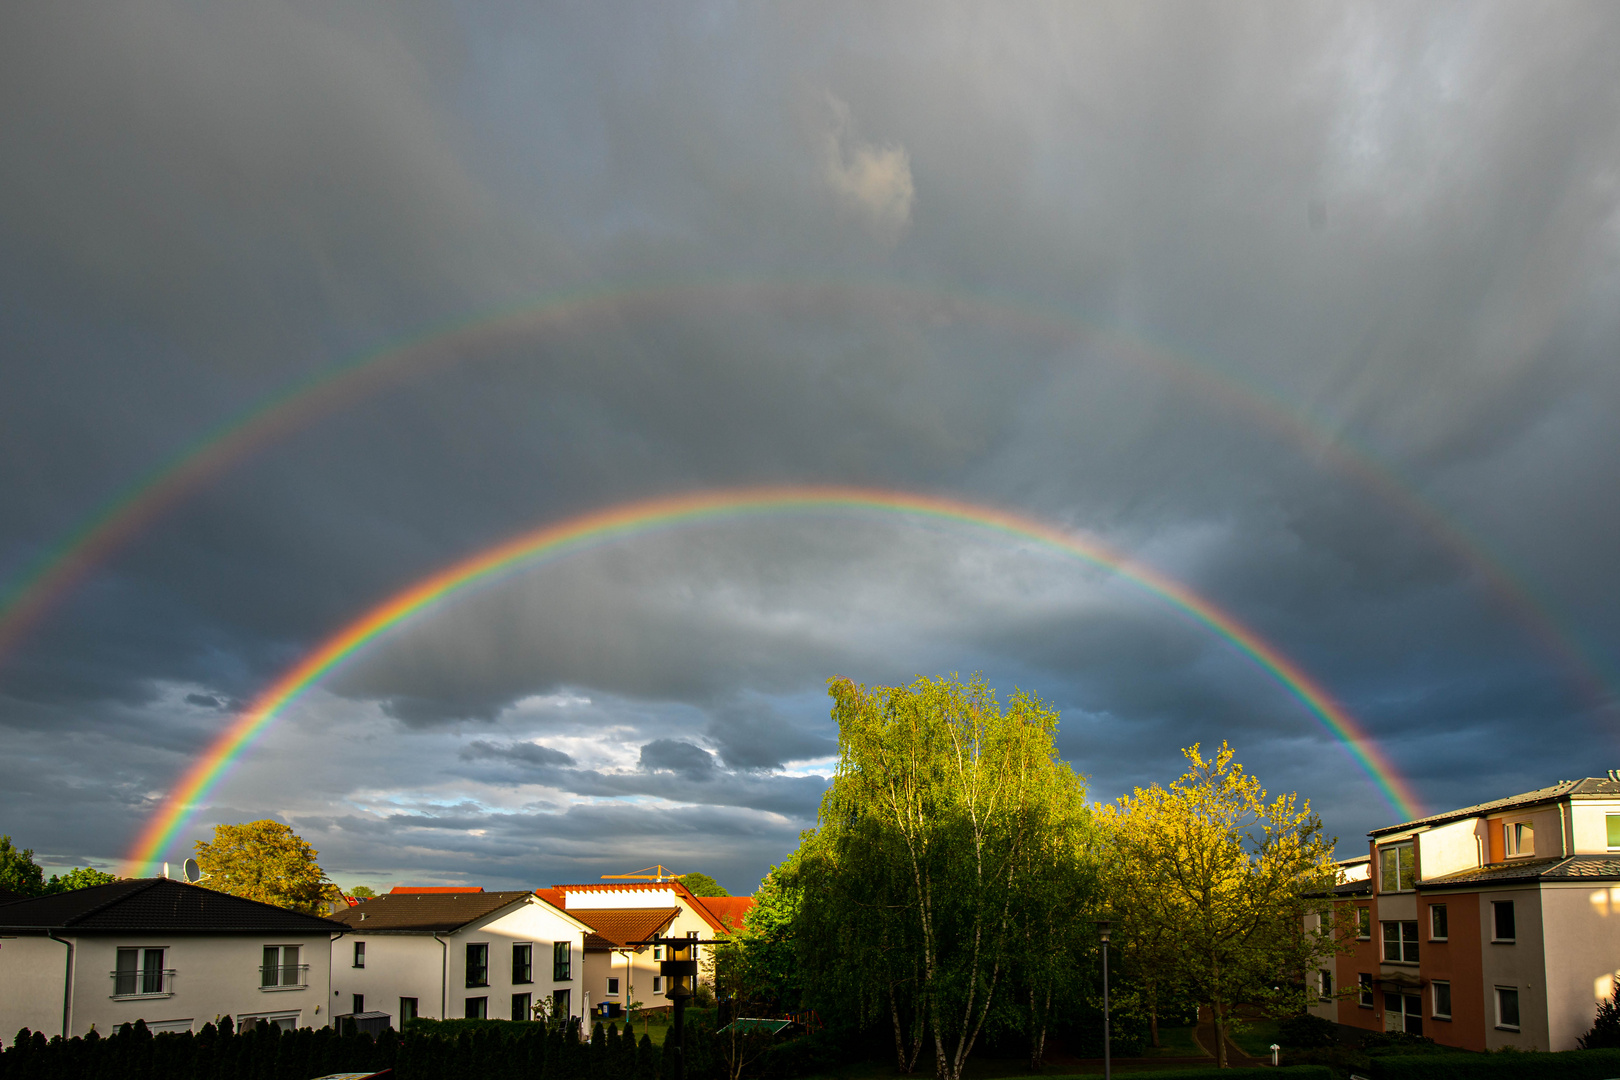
(446, 1051)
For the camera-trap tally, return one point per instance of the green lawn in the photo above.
(1175, 1042)
(1256, 1038)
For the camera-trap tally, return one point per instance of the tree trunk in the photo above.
(1220, 1035)
(1153, 1027)
(899, 1041)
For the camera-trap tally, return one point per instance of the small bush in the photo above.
(1307, 1032)
(1605, 1033)
(1385, 1043)
(1566, 1065)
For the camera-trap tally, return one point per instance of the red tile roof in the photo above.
(407, 889)
(616, 926)
(728, 910)
(555, 897)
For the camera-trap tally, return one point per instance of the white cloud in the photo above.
(872, 181)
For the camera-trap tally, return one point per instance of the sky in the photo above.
(1312, 308)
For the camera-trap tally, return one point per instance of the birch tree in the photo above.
(938, 825)
(1211, 884)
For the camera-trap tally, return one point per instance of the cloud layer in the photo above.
(1313, 308)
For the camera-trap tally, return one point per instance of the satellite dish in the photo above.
(191, 871)
(165, 869)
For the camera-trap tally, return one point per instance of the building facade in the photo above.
(1485, 927)
(172, 954)
(464, 953)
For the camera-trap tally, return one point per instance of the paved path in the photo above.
(1204, 1036)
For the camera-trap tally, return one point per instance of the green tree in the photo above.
(699, 884)
(265, 861)
(362, 892)
(80, 877)
(941, 826)
(19, 873)
(1211, 885)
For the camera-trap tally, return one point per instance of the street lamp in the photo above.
(1108, 1064)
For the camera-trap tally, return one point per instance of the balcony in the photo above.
(149, 983)
(283, 976)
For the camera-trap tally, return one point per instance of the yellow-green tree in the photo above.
(1211, 883)
(265, 861)
(948, 828)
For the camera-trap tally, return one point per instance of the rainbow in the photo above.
(53, 574)
(636, 518)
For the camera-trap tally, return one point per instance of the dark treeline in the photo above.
(490, 1050)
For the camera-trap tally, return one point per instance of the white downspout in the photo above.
(67, 988)
(444, 975)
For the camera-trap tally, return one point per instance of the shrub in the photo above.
(1605, 1031)
(1384, 1043)
(1567, 1065)
(1307, 1032)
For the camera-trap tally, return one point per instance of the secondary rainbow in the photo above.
(637, 518)
(57, 570)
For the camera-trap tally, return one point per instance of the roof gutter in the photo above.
(67, 986)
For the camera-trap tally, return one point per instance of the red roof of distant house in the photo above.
(555, 897)
(729, 910)
(435, 888)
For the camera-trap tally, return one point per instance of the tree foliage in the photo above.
(700, 884)
(362, 892)
(264, 861)
(1210, 885)
(953, 846)
(80, 877)
(19, 873)
(1605, 1033)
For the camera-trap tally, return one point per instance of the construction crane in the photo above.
(646, 873)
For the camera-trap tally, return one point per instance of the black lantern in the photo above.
(680, 969)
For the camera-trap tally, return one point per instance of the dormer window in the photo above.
(1397, 868)
(1518, 839)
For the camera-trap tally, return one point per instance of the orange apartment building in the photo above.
(1490, 926)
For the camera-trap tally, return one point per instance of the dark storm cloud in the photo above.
(1292, 302)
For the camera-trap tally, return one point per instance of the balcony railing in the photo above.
(150, 982)
(283, 976)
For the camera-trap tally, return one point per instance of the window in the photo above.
(1403, 1012)
(1365, 980)
(286, 1021)
(1364, 923)
(1502, 923)
(559, 1004)
(359, 1003)
(1437, 922)
(1397, 868)
(477, 964)
(658, 950)
(1507, 1008)
(1401, 942)
(281, 968)
(522, 963)
(693, 949)
(1442, 1000)
(561, 964)
(1518, 839)
(520, 1007)
(1325, 979)
(140, 971)
(1613, 823)
(658, 984)
(359, 954)
(613, 988)
(477, 1008)
(407, 1010)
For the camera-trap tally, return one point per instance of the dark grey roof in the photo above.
(1593, 787)
(425, 912)
(1572, 868)
(1354, 888)
(158, 905)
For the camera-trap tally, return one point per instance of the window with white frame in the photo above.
(658, 984)
(477, 1008)
(1397, 867)
(561, 963)
(1507, 1008)
(1504, 928)
(1400, 942)
(1518, 839)
(1441, 1004)
(613, 986)
(1324, 979)
(1364, 923)
(140, 973)
(1437, 922)
(1611, 824)
(1366, 988)
(281, 970)
(359, 954)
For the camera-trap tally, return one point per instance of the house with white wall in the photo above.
(618, 972)
(448, 954)
(172, 954)
(1486, 927)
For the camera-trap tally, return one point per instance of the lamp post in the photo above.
(1108, 1064)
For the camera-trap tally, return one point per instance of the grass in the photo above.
(1256, 1037)
(1174, 1042)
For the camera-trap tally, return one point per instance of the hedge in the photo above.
(1564, 1065)
(1209, 1072)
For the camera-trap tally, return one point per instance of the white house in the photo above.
(457, 954)
(172, 954)
(617, 973)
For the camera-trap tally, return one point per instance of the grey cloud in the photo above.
(523, 753)
(684, 759)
